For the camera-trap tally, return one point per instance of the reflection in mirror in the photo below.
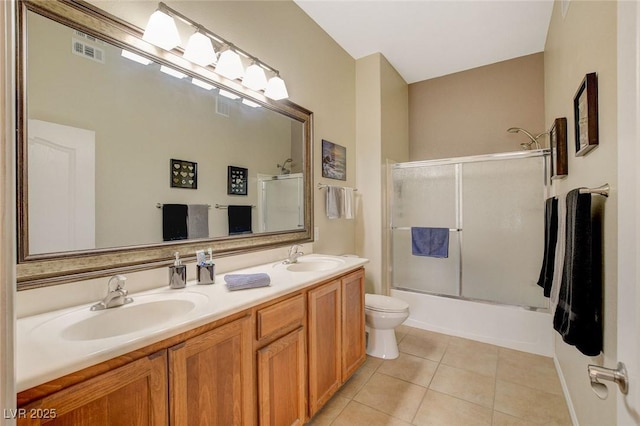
(112, 145)
(102, 132)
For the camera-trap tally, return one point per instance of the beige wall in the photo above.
(382, 133)
(468, 113)
(584, 41)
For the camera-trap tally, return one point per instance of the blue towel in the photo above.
(242, 281)
(433, 242)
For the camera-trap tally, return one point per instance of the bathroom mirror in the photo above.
(107, 145)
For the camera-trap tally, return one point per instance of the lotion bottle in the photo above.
(177, 273)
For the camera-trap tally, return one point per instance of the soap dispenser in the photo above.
(177, 273)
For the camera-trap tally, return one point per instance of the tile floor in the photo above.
(449, 381)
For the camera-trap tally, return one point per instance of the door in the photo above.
(353, 336)
(324, 344)
(61, 188)
(134, 394)
(282, 203)
(281, 381)
(628, 209)
(210, 378)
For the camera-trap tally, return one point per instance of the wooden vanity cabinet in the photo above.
(281, 362)
(336, 336)
(210, 377)
(134, 394)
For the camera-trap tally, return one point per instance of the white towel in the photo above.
(348, 208)
(333, 202)
(559, 258)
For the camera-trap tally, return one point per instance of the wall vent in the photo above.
(88, 37)
(222, 106)
(87, 50)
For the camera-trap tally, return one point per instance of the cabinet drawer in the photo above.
(280, 317)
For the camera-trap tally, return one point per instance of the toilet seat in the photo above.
(380, 303)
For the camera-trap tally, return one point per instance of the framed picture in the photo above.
(183, 174)
(237, 180)
(334, 161)
(585, 110)
(558, 142)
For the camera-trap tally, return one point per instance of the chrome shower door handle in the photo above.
(597, 374)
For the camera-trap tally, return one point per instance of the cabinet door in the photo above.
(353, 334)
(134, 394)
(324, 344)
(210, 377)
(281, 381)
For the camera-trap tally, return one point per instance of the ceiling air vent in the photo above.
(87, 50)
(222, 106)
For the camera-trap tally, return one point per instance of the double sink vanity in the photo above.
(269, 355)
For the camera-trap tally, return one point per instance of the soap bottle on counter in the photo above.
(206, 269)
(177, 273)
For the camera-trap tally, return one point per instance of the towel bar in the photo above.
(322, 186)
(408, 228)
(159, 205)
(223, 206)
(601, 190)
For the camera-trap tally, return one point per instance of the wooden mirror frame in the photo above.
(38, 270)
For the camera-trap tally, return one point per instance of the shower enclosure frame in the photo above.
(457, 162)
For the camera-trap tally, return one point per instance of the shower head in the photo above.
(283, 169)
(534, 139)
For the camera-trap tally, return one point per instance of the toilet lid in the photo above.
(378, 302)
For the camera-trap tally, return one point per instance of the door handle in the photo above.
(597, 374)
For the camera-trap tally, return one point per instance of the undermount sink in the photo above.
(314, 264)
(148, 312)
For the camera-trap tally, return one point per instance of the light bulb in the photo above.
(172, 72)
(200, 50)
(276, 89)
(162, 31)
(254, 78)
(134, 57)
(229, 65)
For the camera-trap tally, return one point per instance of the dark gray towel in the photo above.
(578, 317)
(198, 221)
(550, 240)
(174, 222)
(239, 219)
(243, 281)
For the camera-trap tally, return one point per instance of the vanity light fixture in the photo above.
(229, 94)
(200, 83)
(134, 57)
(254, 77)
(172, 72)
(201, 49)
(276, 89)
(229, 65)
(249, 103)
(161, 29)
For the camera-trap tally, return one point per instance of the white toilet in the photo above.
(382, 315)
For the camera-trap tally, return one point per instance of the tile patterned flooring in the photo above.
(449, 381)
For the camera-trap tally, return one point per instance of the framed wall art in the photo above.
(237, 180)
(183, 174)
(558, 141)
(334, 161)
(585, 110)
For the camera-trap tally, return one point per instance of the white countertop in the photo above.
(43, 354)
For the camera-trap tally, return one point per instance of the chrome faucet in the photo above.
(294, 253)
(116, 294)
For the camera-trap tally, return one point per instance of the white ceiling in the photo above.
(424, 39)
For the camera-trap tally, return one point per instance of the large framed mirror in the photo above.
(114, 155)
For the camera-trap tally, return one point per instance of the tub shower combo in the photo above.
(486, 288)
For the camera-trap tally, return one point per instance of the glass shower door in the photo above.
(425, 197)
(503, 221)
